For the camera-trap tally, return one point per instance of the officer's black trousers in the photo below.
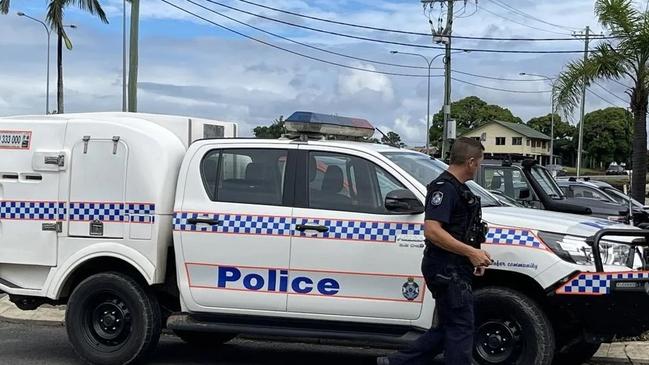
(454, 333)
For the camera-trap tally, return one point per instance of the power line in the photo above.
(499, 89)
(397, 31)
(602, 98)
(329, 62)
(349, 56)
(288, 50)
(382, 40)
(610, 92)
(529, 16)
(519, 23)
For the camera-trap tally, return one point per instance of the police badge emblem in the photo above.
(410, 289)
(437, 198)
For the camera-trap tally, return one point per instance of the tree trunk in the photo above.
(59, 82)
(639, 107)
(133, 56)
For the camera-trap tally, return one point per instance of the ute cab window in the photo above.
(254, 176)
(348, 183)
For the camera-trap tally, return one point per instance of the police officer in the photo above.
(454, 230)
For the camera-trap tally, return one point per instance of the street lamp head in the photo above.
(20, 13)
(394, 52)
(522, 73)
(72, 26)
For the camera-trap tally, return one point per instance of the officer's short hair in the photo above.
(465, 149)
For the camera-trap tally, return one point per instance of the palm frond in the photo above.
(54, 15)
(604, 62)
(618, 15)
(91, 6)
(4, 6)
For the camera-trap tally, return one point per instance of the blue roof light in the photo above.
(307, 122)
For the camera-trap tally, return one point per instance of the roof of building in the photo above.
(519, 128)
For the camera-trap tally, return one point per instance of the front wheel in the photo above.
(511, 329)
(111, 319)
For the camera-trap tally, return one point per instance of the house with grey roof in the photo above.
(504, 140)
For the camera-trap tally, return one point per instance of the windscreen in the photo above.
(425, 169)
(546, 182)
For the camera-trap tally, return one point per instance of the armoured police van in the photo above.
(138, 222)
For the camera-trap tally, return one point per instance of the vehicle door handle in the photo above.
(211, 222)
(307, 227)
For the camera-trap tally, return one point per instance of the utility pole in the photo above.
(583, 106)
(443, 35)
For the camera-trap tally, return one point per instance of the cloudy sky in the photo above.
(191, 67)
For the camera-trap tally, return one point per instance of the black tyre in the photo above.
(577, 353)
(111, 319)
(204, 339)
(511, 329)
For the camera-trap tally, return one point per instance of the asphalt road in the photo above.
(28, 344)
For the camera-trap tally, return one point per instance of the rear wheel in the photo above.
(204, 339)
(511, 329)
(111, 319)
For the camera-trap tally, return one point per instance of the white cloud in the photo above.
(202, 71)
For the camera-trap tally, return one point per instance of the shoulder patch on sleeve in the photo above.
(437, 198)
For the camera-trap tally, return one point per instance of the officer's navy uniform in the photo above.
(448, 276)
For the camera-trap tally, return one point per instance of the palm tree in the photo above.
(54, 18)
(624, 54)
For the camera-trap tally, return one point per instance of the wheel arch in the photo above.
(512, 280)
(117, 258)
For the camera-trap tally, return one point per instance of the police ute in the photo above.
(139, 222)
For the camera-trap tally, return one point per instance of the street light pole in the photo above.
(124, 56)
(552, 110)
(429, 63)
(47, 83)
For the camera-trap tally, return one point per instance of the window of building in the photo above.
(253, 176)
(533, 143)
(517, 141)
(500, 141)
(528, 141)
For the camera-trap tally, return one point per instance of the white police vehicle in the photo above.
(136, 225)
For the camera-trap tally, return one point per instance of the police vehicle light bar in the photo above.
(325, 124)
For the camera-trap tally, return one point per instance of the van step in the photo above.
(283, 327)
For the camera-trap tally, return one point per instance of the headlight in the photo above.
(575, 249)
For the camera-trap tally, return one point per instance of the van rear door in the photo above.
(31, 164)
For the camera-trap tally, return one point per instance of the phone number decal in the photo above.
(15, 140)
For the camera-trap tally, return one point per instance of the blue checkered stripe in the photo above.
(46, 211)
(105, 212)
(235, 224)
(512, 236)
(112, 212)
(285, 226)
(363, 230)
(597, 283)
(140, 212)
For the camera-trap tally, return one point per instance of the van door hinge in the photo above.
(86, 139)
(55, 160)
(115, 142)
(55, 227)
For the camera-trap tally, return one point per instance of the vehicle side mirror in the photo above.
(403, 201)
(524, 194)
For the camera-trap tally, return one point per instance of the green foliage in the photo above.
(544, 125)
(393, 139)
(471, 112)
(607, 135)
(274, 131)
(623, 56)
